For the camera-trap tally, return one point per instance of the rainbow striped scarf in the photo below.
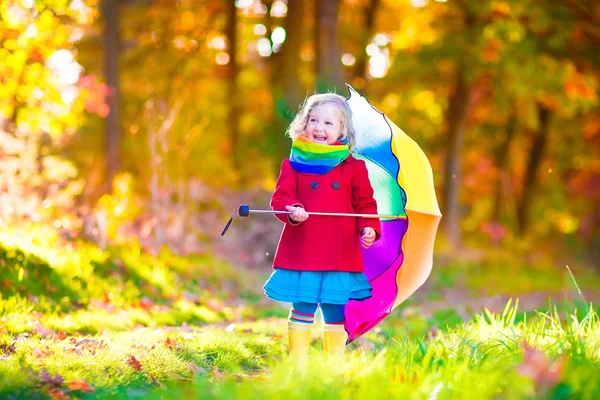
(314, 158)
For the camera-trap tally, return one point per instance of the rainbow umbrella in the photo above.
(400, 262)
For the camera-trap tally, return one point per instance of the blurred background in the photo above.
(148, 121)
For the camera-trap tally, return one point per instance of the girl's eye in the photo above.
(328, 123)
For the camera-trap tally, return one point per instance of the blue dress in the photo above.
(330, 287)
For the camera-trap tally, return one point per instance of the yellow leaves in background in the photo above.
(425, 101)
(564, 221)
(414, 32)
(13, 16)
(188, 21)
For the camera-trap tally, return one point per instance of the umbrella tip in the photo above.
(244, 210)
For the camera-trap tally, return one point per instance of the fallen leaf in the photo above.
(80, 384)
(58, 394)
(102, 305)
(170, 343)
(539, 368)
(5, 348)
(217, 374)
(46, 378)
(42, 353)
(43, 331)
(134, 363)
(214, 305)
(91, 345)
(146, 303)
(196, 370)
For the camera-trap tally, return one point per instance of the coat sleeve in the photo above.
(285, 193)
(363, 200)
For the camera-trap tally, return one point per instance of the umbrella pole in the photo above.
(244, 211)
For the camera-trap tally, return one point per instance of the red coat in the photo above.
(324, 243)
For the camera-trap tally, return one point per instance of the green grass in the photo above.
(78, 287)
(132, 325)
(482, 357)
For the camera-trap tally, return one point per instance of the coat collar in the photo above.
(348, 159)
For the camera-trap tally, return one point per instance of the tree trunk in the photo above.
(288, 90)
(457, 115)
(111, 71)
(502, 165)
(540, 140)
(360, 68)
(328, 63)
(234, 107)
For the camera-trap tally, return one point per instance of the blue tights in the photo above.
(332, 313)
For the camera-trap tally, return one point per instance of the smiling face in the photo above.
(324, 124)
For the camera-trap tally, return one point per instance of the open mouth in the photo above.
(320, 139)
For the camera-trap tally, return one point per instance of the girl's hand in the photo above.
(368, 237)
(298, 213)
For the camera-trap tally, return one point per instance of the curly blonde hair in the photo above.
(298, 125)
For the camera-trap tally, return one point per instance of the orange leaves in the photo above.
(89, 345)
(579, 86)
(82, 385)
(97, 94)
(144, 303)
(491, 52)
(42, 353)
(500, 10)
(58, 394)
(134, 363)
(214, 304)
(54, 385)
(103, 305)
(170, 343)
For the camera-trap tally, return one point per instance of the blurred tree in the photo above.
(361, 66)
(232, 77)
(538, 147)
(501, 95)
(110, 9)
(458, 109)
(328, 67)
(287, 81)
(502, 163)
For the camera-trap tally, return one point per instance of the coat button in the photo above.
(335, 185)
(314, 185)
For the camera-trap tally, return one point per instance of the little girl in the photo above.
(318, 260)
